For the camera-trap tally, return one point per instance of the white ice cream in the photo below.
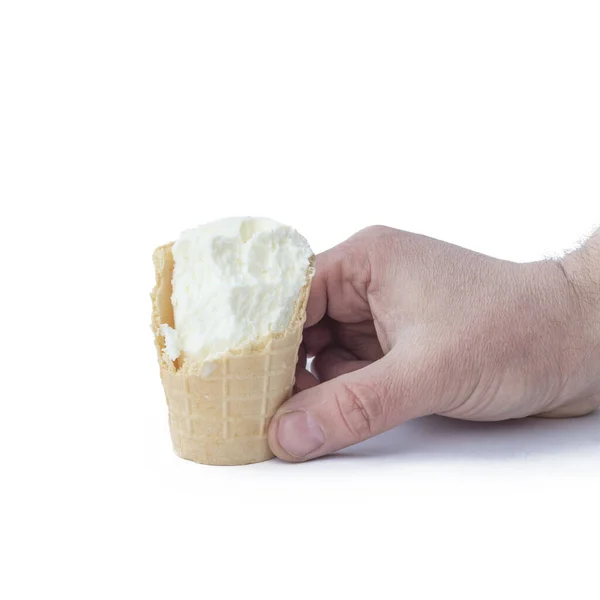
(234, 281)
(172, 341)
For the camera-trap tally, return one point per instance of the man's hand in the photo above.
(402, 326)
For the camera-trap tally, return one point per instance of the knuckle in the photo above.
(378, 242)
(360, 409)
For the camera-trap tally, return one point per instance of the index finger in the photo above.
(340, 284)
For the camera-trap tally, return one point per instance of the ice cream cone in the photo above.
(219, 412)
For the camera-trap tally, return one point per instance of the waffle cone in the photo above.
(220, 416)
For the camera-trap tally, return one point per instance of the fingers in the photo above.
(347, 409)
(336, 361)
(359, 338)
(340, 285)
(318, 337)
(356, 399)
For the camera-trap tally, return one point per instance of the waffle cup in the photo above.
(219, 413)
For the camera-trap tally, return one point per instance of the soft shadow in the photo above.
(451, 438)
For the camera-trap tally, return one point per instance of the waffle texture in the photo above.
(221, 418)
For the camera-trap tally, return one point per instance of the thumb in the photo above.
(348, 409)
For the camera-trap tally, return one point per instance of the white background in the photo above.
(122, 123)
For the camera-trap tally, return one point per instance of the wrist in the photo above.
(581, 276)
(582, 272)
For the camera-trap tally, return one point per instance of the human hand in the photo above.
(401, 326)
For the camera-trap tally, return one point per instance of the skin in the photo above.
(401, 326)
